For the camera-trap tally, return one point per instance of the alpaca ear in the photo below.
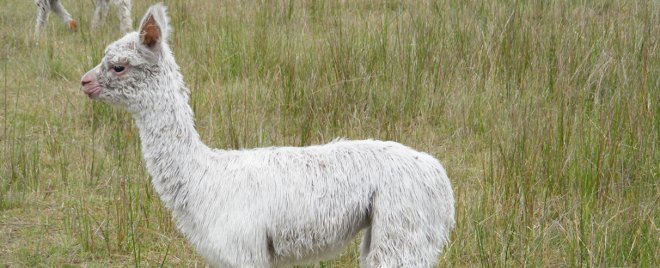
(154, 27)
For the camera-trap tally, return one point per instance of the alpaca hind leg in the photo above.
(124, 13)
(100, 13)
(403, 234)
(365, 246)
(43, 6)
(400, 249)
(59, 9)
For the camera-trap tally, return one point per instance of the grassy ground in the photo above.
(546, 115)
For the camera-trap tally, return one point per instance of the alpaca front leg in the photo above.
(100, 13)
(57, 7)
(124, 13)
(43, 6)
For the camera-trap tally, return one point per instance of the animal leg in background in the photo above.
(123, 12)
(43, 6)
(100, 13)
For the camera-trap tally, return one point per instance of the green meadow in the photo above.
(546, 115)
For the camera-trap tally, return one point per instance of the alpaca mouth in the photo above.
(93, 92)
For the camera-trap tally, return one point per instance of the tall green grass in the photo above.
(545, 115)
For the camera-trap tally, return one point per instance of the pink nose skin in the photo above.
(90, 85)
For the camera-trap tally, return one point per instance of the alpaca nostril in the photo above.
(89, 77)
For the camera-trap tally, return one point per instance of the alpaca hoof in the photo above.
(72, 24)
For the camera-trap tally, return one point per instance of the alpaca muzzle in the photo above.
(90, 85)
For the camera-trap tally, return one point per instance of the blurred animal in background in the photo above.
(100, 13)
(43, 6)
(123, 12)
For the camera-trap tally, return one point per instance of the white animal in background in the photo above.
(278, 206)
(123, 12)
(44, 6)
(101, 12)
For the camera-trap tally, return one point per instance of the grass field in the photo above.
(546, 115)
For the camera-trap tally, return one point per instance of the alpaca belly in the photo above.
(308, 247)
(320, 237)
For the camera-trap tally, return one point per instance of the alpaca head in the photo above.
(139, 68)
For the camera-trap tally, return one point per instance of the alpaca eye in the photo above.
(118, 68)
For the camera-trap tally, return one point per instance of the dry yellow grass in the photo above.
(545, 114)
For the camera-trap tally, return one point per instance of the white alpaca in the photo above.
(124, 13)
(44, 6)
(272, 207)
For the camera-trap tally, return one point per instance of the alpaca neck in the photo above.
(171, 148)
